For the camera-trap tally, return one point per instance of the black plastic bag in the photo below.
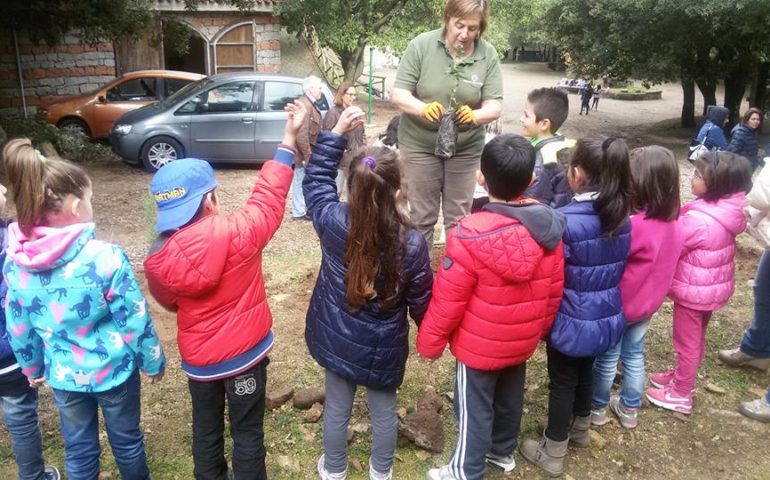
(446, 141)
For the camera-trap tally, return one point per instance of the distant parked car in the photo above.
(94, 113)
(231, 117)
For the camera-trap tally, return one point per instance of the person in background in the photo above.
(356, 138)
(597, 96)
(743, 138)
(424, 88)
(585, 98)
(711, 130)
(306, 138)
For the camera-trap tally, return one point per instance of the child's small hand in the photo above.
(297, 113)
(37, 382)
(156, 378)
(350, 118)
(427, 360)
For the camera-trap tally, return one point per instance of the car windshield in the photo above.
(186, 90)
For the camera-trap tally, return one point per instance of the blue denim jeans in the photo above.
(20, 416)
(630, 351)
(79, 413)
(756, 339)
(298, 208)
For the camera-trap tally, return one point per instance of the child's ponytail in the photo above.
(376, 239)
(38, 183)
(606, 166)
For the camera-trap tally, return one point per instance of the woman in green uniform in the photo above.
(449, 69)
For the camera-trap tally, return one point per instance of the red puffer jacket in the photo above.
(498, 288)
(211, 273)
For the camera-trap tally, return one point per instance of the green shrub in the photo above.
(76, 148)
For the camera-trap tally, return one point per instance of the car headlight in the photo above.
(123, 129)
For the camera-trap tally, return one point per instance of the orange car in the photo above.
(93, 113)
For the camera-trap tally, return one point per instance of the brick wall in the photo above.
(68, 68)
(267, 32)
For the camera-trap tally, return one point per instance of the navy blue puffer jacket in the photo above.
(590, 318)
(368, 347)
(744, 142)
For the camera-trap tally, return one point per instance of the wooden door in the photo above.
(234, 49)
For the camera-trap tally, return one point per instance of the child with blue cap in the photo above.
(208, 268)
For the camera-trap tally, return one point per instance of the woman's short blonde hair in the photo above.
(468, 8)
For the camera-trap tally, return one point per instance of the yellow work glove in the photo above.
(432, 111)
(464, 115)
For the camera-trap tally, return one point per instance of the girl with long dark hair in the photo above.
(374, 268)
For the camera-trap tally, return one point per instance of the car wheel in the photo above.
(75, 126)
(159, 151)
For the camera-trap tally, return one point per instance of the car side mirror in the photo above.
(101, 99)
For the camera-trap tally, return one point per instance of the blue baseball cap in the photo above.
(178, 188)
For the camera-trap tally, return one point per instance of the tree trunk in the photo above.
(759, 89)
(688, 103)
(353, 63)
(735, 86)
(708, 88)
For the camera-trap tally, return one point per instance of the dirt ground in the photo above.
(715, 442)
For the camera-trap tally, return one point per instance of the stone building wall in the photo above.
(68, 68)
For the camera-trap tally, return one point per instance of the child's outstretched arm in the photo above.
(319, 187)
(264, 208)
(451, 292)
(126, 300)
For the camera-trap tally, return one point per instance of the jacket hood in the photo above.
(717, 114)
(545, 224)
(727, 211)
(47, 247)
(497, 240)
(192, 260)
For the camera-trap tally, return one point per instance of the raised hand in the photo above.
(351, 118)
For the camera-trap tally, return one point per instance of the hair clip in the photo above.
(40, 156)
(369, 161)
(607, 142)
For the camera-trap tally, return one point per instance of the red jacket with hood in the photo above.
(210, 272)
(498, 288)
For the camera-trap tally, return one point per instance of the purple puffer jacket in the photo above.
(705, 276)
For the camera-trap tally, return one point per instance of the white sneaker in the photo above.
(506, 462)
(329, 476)
(375, 475)
(442, 473)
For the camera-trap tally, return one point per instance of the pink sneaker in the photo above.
(662, 379)
(669, 399)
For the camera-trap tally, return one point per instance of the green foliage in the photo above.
(363, 21)
(91, 20)
(76, 148)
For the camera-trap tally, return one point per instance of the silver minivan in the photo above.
(228, 118)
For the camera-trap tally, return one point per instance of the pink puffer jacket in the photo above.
(705, 276)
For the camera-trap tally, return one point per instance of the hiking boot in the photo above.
(506, 462)
(669, 399)
(578, 433)
(757, 409)
(599, 417)
(375, 475)
(736, 358)
(442, 473)
(325, 475)
(626, 415)
(51, 473)
(546, 454)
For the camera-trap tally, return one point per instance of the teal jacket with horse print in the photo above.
(74, 310)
